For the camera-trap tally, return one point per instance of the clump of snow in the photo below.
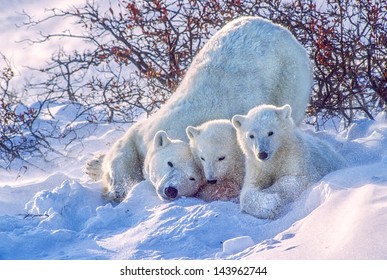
(366, 140)
(236, 245)
(68, 206)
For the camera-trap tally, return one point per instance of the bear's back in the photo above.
(248, 62)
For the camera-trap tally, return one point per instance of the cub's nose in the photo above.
(263, 155)
(212, 181)
(170, 192)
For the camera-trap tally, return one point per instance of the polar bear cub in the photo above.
(214, 146)
(281, 161)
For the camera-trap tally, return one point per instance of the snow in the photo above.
(52, 210)
(236, 245)
(59, 213)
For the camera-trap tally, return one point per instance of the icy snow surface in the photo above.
(59, 213)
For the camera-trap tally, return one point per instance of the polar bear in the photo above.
(215, 147)
(170, 167)
(250, 61)
(281, 161)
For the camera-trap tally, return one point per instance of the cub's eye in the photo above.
(192, 179)
(251, 136)
(170, 164)
(221, 158)
(270, 133)
(202, 158)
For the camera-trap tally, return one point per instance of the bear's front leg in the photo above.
(260, 204)
(115, 193)
(94, 167)
(289, 188)
(122, 169)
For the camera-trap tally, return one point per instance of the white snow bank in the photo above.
(350, 223)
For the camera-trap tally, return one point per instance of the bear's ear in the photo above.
(192, 132)
(286, 111)
(161, 139)
(237, 121)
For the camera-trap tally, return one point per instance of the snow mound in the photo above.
(66, 207)
(347, 224)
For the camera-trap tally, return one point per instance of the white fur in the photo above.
(281, 161)
(94, 167)
(215, 147)
(250, 61)
(169, 164)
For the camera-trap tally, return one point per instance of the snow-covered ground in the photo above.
(59, 214)
(53, 211)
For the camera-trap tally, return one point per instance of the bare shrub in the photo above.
(138, 51)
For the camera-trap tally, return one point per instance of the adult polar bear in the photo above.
(250, 61)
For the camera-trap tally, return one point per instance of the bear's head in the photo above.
(215, 148)
(261, 132)
(171, 168)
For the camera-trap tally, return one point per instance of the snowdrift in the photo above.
(59, 213)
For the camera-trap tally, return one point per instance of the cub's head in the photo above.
(215, 147)
(261, 131)
(171, 168)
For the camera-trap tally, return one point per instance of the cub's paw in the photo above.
(260, 204)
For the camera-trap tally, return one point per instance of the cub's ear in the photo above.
(192, 132)
(161, 139)
(285, 111)
(237, 121)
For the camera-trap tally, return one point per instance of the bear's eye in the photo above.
(192, 179)
(170, 164)
(251, 136)
(202, 158)
(221, 158)
(270, 133)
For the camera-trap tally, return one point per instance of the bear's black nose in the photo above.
(263, 155)
(212, 181)
(171, 192)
